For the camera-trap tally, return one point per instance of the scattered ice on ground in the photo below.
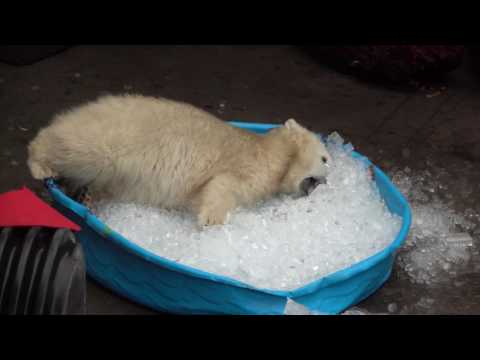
(440, 242)
(392, 308)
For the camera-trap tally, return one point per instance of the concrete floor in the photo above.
(259, 84)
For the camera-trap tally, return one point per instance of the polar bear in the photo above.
(165, 153)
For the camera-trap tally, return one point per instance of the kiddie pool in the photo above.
(165, 285)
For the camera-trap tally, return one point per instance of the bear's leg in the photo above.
(215, 200)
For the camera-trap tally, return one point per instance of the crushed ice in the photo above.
(284, 243)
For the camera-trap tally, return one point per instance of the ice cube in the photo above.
(295, 308)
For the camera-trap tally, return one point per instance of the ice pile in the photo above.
(440, 242)
(283, 243)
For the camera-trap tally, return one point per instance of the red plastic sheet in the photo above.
(23, 208)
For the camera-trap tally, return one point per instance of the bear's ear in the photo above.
(291, 124)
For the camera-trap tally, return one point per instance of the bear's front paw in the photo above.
(211, 216)
(88, 201)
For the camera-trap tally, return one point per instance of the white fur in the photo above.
(170, 154)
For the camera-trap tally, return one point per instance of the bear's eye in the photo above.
(324, 159)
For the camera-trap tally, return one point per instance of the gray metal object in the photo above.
(42, 271)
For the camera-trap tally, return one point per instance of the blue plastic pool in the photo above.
(165, 285)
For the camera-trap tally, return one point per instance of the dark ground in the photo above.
(260, 84)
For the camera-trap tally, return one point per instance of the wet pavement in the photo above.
(394, 129)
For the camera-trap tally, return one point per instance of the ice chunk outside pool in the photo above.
(283, 243)
(442, 240)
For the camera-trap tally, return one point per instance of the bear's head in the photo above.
(309, 160)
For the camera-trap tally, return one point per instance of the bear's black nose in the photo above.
(309, 184)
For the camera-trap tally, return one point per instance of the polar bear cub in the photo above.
(170, 154)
